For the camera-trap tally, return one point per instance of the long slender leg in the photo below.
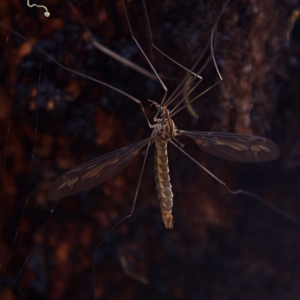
(202, 167)
(144, 54)
(126, 217)
(81, 74)
(174, 111)
(179, 88)
(186, 82)
(240, 191)
(137, 189)
(119, 58)
(182, 85)
(126, 269)
(154, 46)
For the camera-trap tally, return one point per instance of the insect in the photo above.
(233, 147)
(224, 262)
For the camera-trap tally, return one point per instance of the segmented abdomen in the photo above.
(162, 182)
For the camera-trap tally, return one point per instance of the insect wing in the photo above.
(234, 147)
(94, 172)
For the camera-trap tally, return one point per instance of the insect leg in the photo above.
(144, 54)
(186, 82)
(137, 189)
(261, 200)
(81, 74)
(168, 57)
(240, 191)
(119, 58)
(126, 269)
(195, 161)
(175, 110)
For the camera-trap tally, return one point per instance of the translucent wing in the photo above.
(94, 172)
(234, 147)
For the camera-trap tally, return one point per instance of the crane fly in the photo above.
(234, 147)
(229, 146)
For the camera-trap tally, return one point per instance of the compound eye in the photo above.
(161, 111)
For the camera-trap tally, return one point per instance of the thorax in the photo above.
(164, 129)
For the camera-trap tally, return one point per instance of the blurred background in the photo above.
(222, 246)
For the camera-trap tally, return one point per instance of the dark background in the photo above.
(222, 246)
